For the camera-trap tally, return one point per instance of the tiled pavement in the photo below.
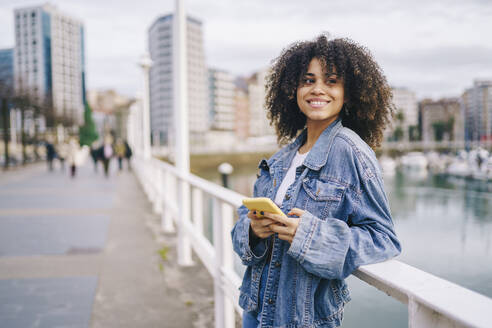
(83, 252)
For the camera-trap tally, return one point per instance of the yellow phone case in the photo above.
(262, 204)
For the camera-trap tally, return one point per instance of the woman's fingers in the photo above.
(280, 229)
(278, 218)
(251, 215)
(288, 238)
(263, 232)
(297, 212)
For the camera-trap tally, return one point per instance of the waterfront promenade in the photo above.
(88, 252)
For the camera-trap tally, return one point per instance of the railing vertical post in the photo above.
(150, 179)
(184, 244)
(145, 176)
(222, 218)
(158, 190)
(197, 210)
(169, 192)
(420, 316)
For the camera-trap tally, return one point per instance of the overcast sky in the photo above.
(436, 48)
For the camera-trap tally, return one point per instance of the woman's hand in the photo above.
(260, 226)
(286, 227)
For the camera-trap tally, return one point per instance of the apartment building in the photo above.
(49, 61)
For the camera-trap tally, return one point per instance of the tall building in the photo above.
(221, 100)
(49, 58)
(477, 110)
(259, 123)
(406, 118)
(241, 103)
(161, 45)
(442, 120)
(6, 70)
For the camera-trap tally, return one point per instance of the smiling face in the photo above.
(320, 96)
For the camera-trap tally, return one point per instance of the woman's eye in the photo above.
(308, 80)
(332, 81)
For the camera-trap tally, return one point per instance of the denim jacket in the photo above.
(347, 224)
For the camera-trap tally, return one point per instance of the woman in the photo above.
(331, 96)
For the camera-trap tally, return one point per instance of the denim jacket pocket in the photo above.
(323, 196)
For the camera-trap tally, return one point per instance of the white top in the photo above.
(289, 177)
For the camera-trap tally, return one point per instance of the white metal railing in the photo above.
(432, 301)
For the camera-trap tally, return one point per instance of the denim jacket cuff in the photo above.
(302, 239)
(257, 247)
(251, 254)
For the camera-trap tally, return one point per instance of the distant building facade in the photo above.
(406, 118)
(241, 104)
(49, 60)
(221, 100)
(6, 69)
(477, 110)
(109, 111)
(442, 120)
(161, 47)
(259, 124)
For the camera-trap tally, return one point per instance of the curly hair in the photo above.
(368, 107)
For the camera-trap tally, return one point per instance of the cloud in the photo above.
(439, 71)
(432, 47)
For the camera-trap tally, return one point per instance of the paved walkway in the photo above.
(84, 252)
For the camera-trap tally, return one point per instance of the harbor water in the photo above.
(444, 225)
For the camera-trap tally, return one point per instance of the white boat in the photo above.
(415, 161)
(459, 168)
(388, 165)
(437, 162)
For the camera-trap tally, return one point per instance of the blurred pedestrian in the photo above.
(62, 151)
(95, 154)
(50, 153)
(106, 152)
(128, 154)
(120, 151)
(73, 149)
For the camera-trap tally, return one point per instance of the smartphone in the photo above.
(262, 204)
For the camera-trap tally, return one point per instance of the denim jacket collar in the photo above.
(318, 155)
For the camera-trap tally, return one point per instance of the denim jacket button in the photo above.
(270, 301)
(287, 197)
(277, 264)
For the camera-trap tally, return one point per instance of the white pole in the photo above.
(145, 64)
(181, 89)
(181, 124)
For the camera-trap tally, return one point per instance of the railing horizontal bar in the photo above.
(453, 301)
(231, 197)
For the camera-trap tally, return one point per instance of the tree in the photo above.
(87, 132)
(6, 92)
(398, 132)
(413, 133)
(5, 120)
(442, 128)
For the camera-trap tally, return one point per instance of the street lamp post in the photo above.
(145, 63)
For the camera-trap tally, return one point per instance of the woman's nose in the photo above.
(318, 89)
